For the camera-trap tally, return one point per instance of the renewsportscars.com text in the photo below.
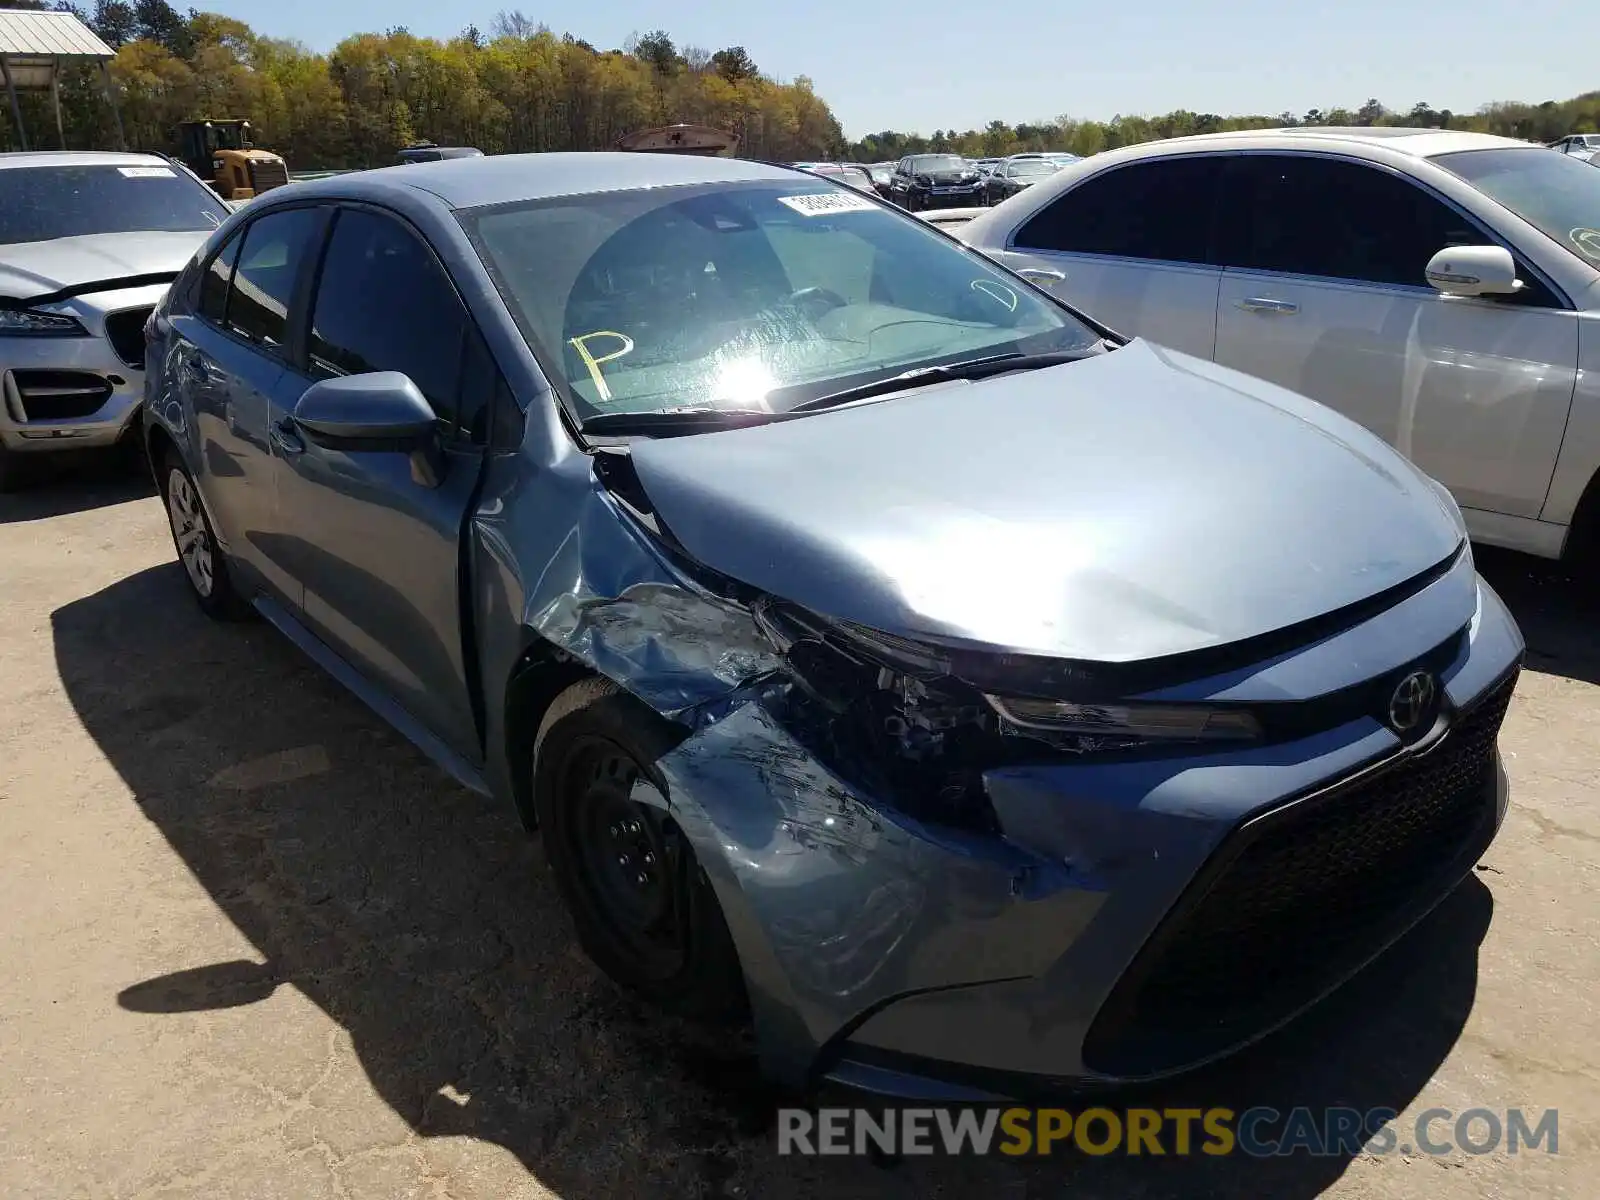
(1257, 1132)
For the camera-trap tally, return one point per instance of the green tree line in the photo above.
(1534, 122)
(516, 86)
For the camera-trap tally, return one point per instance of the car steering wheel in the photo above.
(817, 301)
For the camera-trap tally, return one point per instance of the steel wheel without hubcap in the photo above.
(646, 912)
(630, 858)
(190, 534)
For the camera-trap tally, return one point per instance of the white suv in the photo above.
(1441, 288)
(88, 245)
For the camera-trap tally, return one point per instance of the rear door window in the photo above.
(276, 246)
(1160, 209)
(214, 282)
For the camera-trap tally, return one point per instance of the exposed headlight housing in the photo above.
(25, 322)
(931, 691)
(1144, 722)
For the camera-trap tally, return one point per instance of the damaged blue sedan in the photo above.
(970, 698)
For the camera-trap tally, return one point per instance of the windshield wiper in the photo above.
(84, 289)
(972, 368)
(669, 421)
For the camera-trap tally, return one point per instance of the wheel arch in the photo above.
(158, 442)
(541, 673)
(1582, 548)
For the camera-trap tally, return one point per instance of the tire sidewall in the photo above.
(223, 603)
(708, 985)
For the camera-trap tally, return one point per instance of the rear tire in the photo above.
(644, 909)
(204, 564)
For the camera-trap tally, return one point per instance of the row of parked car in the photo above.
(1585, 146)
(977, 666)
(919, 182)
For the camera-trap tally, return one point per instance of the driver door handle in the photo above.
(1041, 276)
(285, 435)
(1261, 304)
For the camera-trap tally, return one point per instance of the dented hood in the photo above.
(30, 269)
(1137, 504)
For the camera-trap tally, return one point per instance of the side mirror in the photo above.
(380, 406)
(376, 411)
(1474, 271)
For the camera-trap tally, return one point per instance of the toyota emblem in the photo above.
(1412, 702)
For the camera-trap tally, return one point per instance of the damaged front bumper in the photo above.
(1130, 919)
(1099, 925)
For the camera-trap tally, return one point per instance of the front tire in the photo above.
(201, 557)
(13, 471)
(644, 909)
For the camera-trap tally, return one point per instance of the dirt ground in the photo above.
(255, 945)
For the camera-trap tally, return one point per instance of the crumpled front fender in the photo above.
(838, 904)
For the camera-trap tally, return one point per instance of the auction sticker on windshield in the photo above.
(147, 172)
(825, 204)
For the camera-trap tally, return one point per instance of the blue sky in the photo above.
(903, 64)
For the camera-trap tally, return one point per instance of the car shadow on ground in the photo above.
(57, 484)
(1558, 613)
(420, 917)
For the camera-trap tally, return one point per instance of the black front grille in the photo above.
(60, 395)
(264, 176)
(125, 332)
(1298, 898)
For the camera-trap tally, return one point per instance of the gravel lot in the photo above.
(256, 946)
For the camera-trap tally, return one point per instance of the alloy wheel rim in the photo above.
(189, 532)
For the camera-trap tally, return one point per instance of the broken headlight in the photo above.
(1126, 722)
(25, 322)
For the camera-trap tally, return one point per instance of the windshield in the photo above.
(938, 162)
(41, 203)
(749, 296)
(1035, 166)
(1557, 194)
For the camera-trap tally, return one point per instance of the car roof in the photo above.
(1421, 143)
(78, 158)
(506, 178)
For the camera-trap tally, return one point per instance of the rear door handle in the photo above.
(1261, 304)
(286, 437)
(1043, 276)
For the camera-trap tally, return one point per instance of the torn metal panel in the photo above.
(674, 647)
(853, 902)
(610, 597)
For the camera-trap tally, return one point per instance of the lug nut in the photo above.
(649, 859)
(633, 827)
(642, 879)
(624, 861)
(616, 831)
